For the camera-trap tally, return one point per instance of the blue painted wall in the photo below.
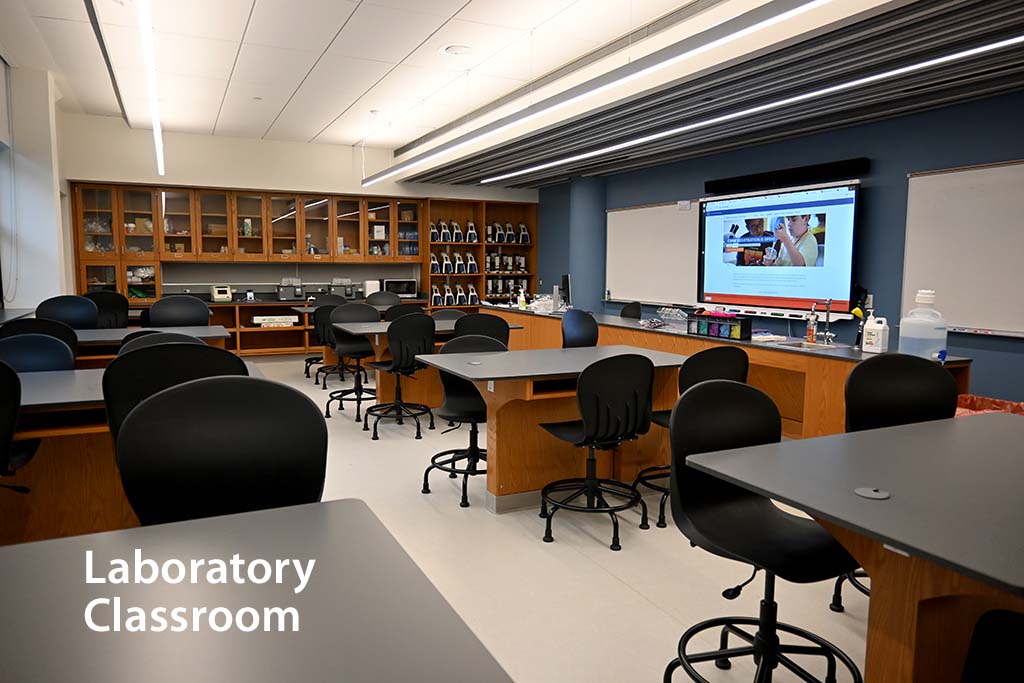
(977, 132)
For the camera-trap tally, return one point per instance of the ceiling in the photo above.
(909, 35)
(328, 71)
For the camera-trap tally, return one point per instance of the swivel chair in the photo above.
(36, 353)
(447, 314)
(632, 310)
(156, 339)
(462, 403)
(718, 362)
(398, 310)
(75, 311)
(321, 335)
(51, 328)
(13, 454)
(408, 336)
(886, 391)
(578, 329)
(179, 310)
(112, 307)
(252, 444)
(614, 398)
(383, 299)
(484, 324)
(732, 522)
(355, 347)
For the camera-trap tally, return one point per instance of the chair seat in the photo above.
(389, 366)
(795, 548)
(22, 452)
(359, 348)
(661, 418)
(571, 432)
(463, 409)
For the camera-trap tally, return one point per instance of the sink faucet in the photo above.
(827, 336)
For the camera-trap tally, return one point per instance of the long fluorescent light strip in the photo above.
(671, 61)
(758, 109)
(145, 16)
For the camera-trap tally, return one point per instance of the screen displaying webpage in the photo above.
(781, 250)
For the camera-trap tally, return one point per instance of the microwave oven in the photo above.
(404, 288)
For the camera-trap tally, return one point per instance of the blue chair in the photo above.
(77, 311)
(36, 353)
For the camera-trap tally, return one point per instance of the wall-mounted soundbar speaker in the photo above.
(846, 169)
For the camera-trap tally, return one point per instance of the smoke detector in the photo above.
(455, 49)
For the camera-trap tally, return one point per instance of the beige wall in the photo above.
(100, 148)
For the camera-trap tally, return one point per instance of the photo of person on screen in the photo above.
(796, 245)
(753, 254)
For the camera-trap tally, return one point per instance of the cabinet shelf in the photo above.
(456, 244)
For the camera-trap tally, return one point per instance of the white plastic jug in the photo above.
(876, 335)
(923, 329)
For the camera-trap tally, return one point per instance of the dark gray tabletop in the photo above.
(440, 326)
(674, 328)
(71, 387)
(536, 363)
(955, 488)
(114, 335)
(367, 614)
(7, 314)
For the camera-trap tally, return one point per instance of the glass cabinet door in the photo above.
(138, 217)
(177, 231)
(214, 240)
(409, 229)
(96, 222)
(316, 228)
(141, 282)
(98, 277)
(250, 234)
(378, 228)
(284, 230)
(349, 230)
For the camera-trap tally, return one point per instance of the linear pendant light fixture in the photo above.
(627, 77)
(866, 80)
(145, 16)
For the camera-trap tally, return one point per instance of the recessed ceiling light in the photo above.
(375, 112)
(257, 98)
(455, 49)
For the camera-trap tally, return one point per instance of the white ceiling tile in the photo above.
(521, 14)
(536, 55)
(441, 8)
(460, 97)
(175, 54)
(355, 125)
(73, 47)
(410, 83)
(187, 103)
(280, 23)
(484, 40)
(261, 64)
(329, 90)
(388, 35)
(395, 135)
(217, 19)
(57, 9)
(243, 116)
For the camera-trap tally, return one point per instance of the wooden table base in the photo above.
(76, 489)
(921, 615)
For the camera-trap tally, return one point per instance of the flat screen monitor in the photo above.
(781, 249)
(565, 290)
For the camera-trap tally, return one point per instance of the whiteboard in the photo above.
(965, 240)
(652, 253)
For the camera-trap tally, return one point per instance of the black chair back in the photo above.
(409, 336)
(36, 353)
(896, 389)
(144, 317)
(398, 310)
(632, 310)
(156, 339)
(383, 299)
(75, 311)
(179, 310)
(446, 314)
(718, 362)
(460, 395)
(614, 398)
(136, 334)
(578, 329)
(353, 345)
(719, 415)
(323, 299)
(10, 407)
(483, 324)
(135, 376)
(251, 444)
(322, 330)
(51, 328)
(112, 307)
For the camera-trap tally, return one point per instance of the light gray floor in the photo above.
(571, 610)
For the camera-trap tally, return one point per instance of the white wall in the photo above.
(36, 264)
(104, 149)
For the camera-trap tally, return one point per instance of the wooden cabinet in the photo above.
(216, 241)
(408, 214)
(250, 226)
(140, 282)
(98, 276)
(350, 236)
(380, 230)
(137, 221)
(177, 225)
(283, 243)
(317, 229)
(95, 216)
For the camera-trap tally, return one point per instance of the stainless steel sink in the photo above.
(811, 345)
